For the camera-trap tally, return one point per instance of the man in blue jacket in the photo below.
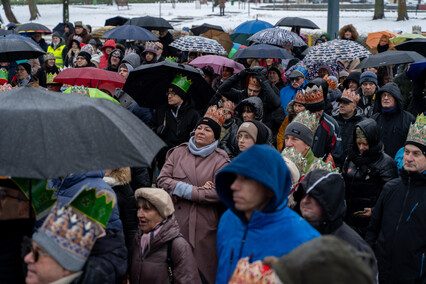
(297, 82)
(258, 223)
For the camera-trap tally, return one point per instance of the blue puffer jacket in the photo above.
(273, 232)
(68, 187)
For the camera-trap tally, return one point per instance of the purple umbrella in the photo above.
(217, 63)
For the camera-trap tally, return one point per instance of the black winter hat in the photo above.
(262, 132)
(86, 55)
(27, 67)
(213, 125)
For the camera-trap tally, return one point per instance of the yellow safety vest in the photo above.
(59, 62)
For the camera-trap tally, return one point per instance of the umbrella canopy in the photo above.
(12, 49)
(6, 32)
(51, 135)
(278, 37)
(416, 68)
(417, 45)
(313, 67)
(130, 32)
(198, 44)
(60, 28)
(150, 23)
(262, 51)
(390, 57)
(99, 32)
(235, 48)
(241, 38)
(89, 77)
(221, 37)
(374, 38)
(91, 92)
(33, 28)
(197, 30)
(252, 27)
(116, 21)
(337, 49)
(18, 36)
(296, 22)
(217, 63)
(404, 37)
(154, 80)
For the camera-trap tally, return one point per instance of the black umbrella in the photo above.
(33, 28)
(51, 134)
(59, 28)
(150, 23)
(116, 21)
(262, 51)
(6, 32)
(197, 30)
(390, 57)
(130, 32)
(148, 84)
(12, 49)
(296, 22)
(417, 45)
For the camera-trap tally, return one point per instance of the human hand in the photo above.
(364, 214)
(208, 185)
(269, 260)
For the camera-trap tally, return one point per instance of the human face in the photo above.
(324, 38)
(383, 41)
(322, 72)
(159, 48)
(414, 160)
(124, 72)
(13, 204)
(173, 99)
(310, 209)
(249, 195)
(387, 79)
(297, 82)
(269, 61)
(346, 109)
(248, 115)
(42, 268)
(273, 77)
(74, 45)
(348, 34)
(37, 37)
(388, 101)
(115, 61)
(226, 72)
(253, 91)
(148, 217)
(299, 145)
(353, 85)
(203, 136)
(56, 40)
(108, 50)
(192, 56)
(244, 141)
(51, 62)
(149, 56)
(162, 32)
(368, 88)
(298, 108)
(78, 30)
(81, 61)
(362, 145)
(21, 73)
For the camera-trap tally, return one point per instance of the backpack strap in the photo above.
(169, 259)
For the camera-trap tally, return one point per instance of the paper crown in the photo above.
(252, 81)
(171, 59)
(296, 158)
(313, 95)
(216, 114)
(359, 134)
(350, 95)
(417, 132)
(300, 97)
(77, 38)
(81, 90)
(4, 75)
(5, 87)
(331, 81)
(255, 272)
(149, 45)
(50, 77)
(182, 82)
(48, 56)
(308, 119)
(320, 165)
(229, 106)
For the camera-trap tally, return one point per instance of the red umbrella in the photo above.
(90, 77)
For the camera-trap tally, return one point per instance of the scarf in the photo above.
(368, 157)
(24, 82)
(382, 48)
(203, 151)
(146, 238)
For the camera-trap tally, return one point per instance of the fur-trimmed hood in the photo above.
(352, 29)
(119, 176)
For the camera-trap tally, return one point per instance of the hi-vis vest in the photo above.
(59, 62)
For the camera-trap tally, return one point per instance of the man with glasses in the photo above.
(297, 82)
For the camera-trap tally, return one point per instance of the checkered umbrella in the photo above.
(199, 44)
(338, 50)
(278, 37)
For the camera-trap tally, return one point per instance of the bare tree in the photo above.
(402, 11)
(34, 14)
(65, 11)
(8, 11)
(379, 10)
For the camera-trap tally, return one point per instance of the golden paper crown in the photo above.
(331, 83)
(320, 165)
(417, 132)
(50, 77)
(351, 95)
(254, 82)
(229, 106)
(252, 273)
(300, 97)
(308, 119)
(313, 95)
(296, 158)
(217, 114)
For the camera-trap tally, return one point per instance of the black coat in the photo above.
(168, 50)
(397, 229)
(41, 74)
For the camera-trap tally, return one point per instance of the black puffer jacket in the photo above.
(365, 175)
(393, 124)
(398, 228)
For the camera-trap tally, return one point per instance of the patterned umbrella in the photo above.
(336, 50)
(313, 68)
(199, 44)
(278, 37)
(31, 28)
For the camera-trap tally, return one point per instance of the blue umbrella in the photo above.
(252, 27)
(262, 51)
(130, 32)
(416, 68)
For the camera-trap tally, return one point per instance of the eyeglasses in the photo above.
(295, 79)
(27, 247)
(171, 94)
(4, 195)
(81, 58)
(21, 69)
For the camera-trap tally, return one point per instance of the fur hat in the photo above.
(48, 56)
(159, 198)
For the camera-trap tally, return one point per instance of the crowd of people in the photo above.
(254, 183)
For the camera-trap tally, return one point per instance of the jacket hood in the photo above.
(109, 57)
(119, 176)
(355, 76)
(328, 189)
(348, 27)
(263, 164)
(290, 110)
(62, 42)
(255, 102)
(133, 59)
(108, 43)
(370, 129)
(392, 89)
(153, 51)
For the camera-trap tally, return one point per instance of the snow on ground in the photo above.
(96, 15)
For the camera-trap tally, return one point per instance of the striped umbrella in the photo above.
(278, 37)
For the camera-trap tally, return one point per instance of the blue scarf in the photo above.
(389, 110)
(203, 151)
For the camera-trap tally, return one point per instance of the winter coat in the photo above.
(198, 218)
(365, 175)
(397, 229)
(69, 186)
(119, 180)
(291, 114)
(168, 50)
(33, 82)
(346, 128)
(274, 231)
(41, 74)
(393, 125)
(69, 58)
(104, 58)
(93, 274)
(133, 59)
(153, 268)
(288, 94)
(84, 35)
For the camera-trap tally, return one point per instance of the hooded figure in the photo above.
(113, 66)
(273, 231)
(133, 59)
(344, 33)
(105, 56)
(149, 55)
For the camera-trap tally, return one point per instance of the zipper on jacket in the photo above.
(230, 265)
(243, 242)
(421, 267)
(403, 205)
(411, 212)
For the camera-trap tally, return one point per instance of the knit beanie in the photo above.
(56, 34)
(86, 55)
(214, 117)
(213, 125)
(303, 126)
(27, 67)
(250, 128)
(368, 76)
(159, 198)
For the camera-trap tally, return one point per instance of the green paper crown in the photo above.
(50, 77)
(182, 82)
(308, 119)
(319, 164)
(96, 204)
(417, 132)
(296, 158)
(42, 197)
(360, 134)
(171, 59)
(4, 74)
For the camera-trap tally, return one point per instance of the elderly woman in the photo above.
(24, 77)
(188, 176)
(160, 254)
